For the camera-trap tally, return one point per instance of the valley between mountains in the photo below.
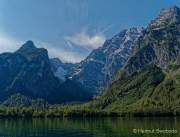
(136, 72)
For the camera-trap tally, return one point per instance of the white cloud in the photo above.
(8, 43)
(62, 54)
(65, 55)
(85, 40)
(11, 44)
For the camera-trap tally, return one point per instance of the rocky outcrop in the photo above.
(60, 69)
(159, 44)
(96, 71)
(28, 71)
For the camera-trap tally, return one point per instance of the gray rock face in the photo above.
(27, 71)
(60, 69)
(95, 72)
(159, 44)
(166, 16)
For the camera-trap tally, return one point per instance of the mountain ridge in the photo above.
(28, 71)
(149, 81)
(96, 71)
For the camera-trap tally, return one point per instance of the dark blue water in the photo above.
(90, 127)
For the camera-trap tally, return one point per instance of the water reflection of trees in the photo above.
(98, 127)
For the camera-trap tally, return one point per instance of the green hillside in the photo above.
(150, 90)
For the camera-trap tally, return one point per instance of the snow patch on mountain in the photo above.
(97, 69)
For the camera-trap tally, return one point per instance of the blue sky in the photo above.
(71, 29)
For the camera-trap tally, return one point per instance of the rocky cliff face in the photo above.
(149, 81)
(28, 71)
(60, 69)
(159, 44)
(95, 72)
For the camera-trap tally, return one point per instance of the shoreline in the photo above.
(101, 114)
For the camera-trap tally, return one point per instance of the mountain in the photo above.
(159, 43)
(60, 69)
(28, 71)
(96, 71)
(150, 79)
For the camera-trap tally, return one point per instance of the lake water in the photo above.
(91, 127)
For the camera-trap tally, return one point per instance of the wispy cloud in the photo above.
(85, 40)
(63, 54)
(8, 43)
(107, 28)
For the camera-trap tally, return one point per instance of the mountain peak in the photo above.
(29, 45)
(174, 9)
(125, 36)
(29, 50)
(56, 60)
(170, 12)
(166, 16)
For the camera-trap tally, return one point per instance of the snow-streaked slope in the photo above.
(95, 72)
(60, 69)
